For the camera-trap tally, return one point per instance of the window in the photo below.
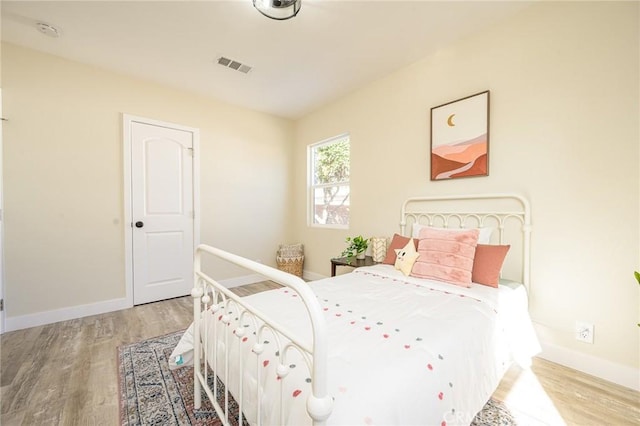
(328, 165)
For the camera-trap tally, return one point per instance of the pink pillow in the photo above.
(446, 255)
(397, 242)
(488, 263)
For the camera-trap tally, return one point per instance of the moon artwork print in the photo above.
(460, 138)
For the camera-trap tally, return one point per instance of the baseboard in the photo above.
(80, 311)
(616, 373)
(312, 276)
(243, 280)
(64, 314)
(256, 278)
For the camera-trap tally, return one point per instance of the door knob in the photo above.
(139, 224)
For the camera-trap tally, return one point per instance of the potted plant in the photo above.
(356, 248)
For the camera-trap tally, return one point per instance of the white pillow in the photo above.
(483, 238)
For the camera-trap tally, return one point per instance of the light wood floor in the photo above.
(66, 374)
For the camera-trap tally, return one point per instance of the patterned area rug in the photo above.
(151, 394)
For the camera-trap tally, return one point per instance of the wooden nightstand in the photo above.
(353, 262)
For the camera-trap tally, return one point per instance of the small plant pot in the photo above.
(360, 255)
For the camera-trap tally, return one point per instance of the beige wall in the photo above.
(564, 133)
(63, 178)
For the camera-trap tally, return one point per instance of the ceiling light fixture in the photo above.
(278, 9)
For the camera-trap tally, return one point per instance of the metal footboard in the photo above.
(211, 297)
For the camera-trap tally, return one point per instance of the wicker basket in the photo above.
(290, 250)
(292, 265)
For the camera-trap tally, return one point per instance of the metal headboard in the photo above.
(477, 210)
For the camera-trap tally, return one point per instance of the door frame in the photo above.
(127, 121)
(2, 264)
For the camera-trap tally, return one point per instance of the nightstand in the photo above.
(353, 262)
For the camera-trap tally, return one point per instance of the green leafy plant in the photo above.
(356, 246)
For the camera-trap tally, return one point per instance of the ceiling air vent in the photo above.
(235, 65)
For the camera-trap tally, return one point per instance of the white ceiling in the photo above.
(330, 49)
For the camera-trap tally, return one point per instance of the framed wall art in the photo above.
(460, 138)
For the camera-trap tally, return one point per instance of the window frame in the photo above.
(311, 187)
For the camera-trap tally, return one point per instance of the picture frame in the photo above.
(460, 138)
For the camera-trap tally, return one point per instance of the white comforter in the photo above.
(402, 350)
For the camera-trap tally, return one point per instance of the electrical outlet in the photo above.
(584, 332)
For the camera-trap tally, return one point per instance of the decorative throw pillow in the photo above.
(397, 242)
(483, 238)
(446, 255)
(406, 257)
(487, 264)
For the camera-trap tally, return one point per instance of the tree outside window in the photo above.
(329, 177)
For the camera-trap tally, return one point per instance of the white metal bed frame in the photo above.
(210, 295)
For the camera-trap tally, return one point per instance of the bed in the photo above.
(374, 346)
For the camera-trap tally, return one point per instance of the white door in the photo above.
(162, 212)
